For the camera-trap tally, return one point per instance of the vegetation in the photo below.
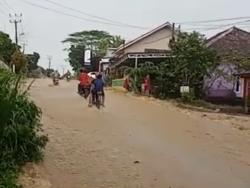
(32, 61)
(7, 47)
(191, 61)
(97, 41)
(19, 60)
(21, 138)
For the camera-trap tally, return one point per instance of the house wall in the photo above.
(158, 40)
(221, 83)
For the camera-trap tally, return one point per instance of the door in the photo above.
(247, 95)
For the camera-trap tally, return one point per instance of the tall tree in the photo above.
(97, 41)
(7, 47)
(193, 59)
(19, 60)
(32, 61)
(76, 56)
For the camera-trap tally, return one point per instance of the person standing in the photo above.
(147, 85)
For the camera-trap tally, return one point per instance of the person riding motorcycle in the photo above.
(99, 88)
(92, 94)
(56, 77)
(68, 76)
(84, 84)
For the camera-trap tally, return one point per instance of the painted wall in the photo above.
(158, 40)
(222, 83)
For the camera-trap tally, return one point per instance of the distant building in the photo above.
(106, 60)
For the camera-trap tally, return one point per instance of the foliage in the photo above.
(188, 97)
(49, 72)
(21, 138)
(97, 41)
(7, 48)
(76, 56)
(193, 60)
(32, 61)
(19, 60)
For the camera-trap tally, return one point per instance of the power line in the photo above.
(93, 16)
(219, 26)
(2, 11)
(214, 20)
(8, 5)
(74, 16)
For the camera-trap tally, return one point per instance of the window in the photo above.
(237, 88)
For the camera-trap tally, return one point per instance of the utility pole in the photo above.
(49, 59)
(24, 44)
(49, 68)
(173, 31)
(16, 19)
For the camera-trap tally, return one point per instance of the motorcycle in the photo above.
(56, 81)
(83, 91)
(68, 78)
(99, 99)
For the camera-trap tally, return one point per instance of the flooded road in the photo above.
(136, 143)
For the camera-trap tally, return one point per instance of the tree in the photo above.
(32, 61)
(193, 60)
(76, 56)
(7, 47)
(97, 41)
(19, 60)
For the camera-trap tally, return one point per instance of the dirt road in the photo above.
(137, 143)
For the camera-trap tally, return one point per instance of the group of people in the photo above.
(146, 87)
(91, 86)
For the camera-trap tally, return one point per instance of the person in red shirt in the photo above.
(84, 82)
(147, 85)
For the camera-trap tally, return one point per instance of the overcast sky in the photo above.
(44, 30)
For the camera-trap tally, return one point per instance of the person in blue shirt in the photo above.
(99, 87)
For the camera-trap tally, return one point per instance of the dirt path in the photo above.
(134, 143)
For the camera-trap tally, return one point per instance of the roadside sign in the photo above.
(184, 89)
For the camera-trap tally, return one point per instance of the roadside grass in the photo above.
(21, 135)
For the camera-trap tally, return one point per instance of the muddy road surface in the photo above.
(136, 143)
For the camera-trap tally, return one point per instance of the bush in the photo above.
(188, 97)
(21, 138)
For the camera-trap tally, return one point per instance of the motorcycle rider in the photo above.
(92, 92)
(84, 82)
(68, 75)
(99, 87)
(55, 77)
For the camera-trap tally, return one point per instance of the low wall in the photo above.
(117, 83)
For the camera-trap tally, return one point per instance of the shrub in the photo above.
(188, 97)
(21, 138)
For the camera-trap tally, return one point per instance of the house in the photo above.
(105, 61)
(151, 46)
(230, 45)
